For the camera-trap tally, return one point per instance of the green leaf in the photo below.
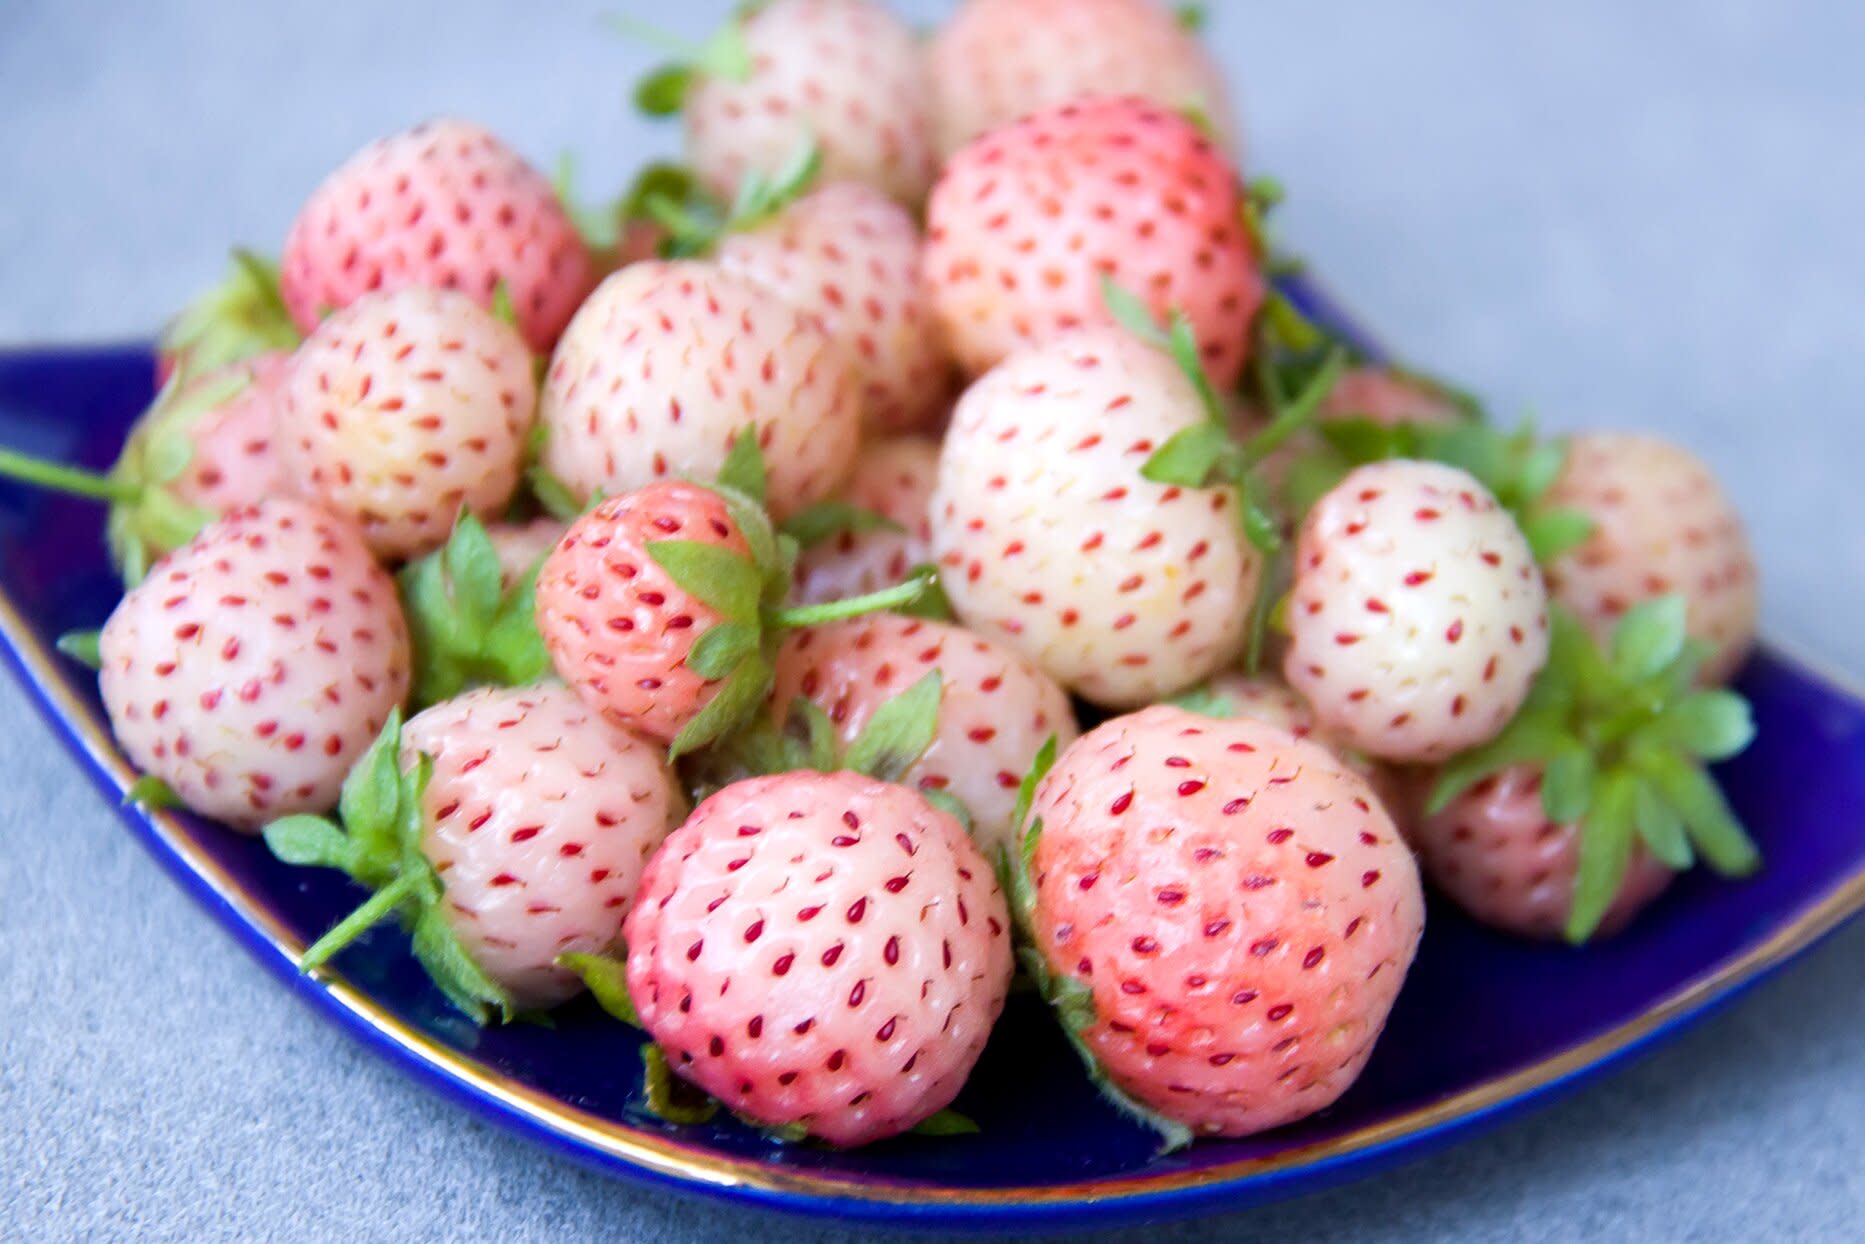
(762, 196)
(662, 92)
(1551, 533)
(738, 697)
(1568, 785)
(721, 577)
(471, 564)
(814, 732)
(726, 54)
(82, 647)
(947, 1122)
(749, 516)
(932, 603)
(1541, 465)
(607, 980)
(1361, 440)
(898, 733)
(1182, 345)
(456, 972)
(669, 1099)
(743, 470)
(951, 805)
(309, 842)
(1191, 457)
(1040, 765)
(828, 519)
(1205, 702)
(887, 599)
(149, 791)
(1711, 725)
(1528, 739)
(718, 652)
(1718, 837)
(1131, 312)
(370, 804)
(502, 309)
(1660, 826)
(1193, 17)
(1294, 416)
(378, 907)
(553, 494)
(1605, 850)
(1649, 637)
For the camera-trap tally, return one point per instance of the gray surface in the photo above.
(1622, 214)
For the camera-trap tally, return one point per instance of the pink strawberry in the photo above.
(850, 257)
(522, 546)
(867, 938)
(1026, 222)
(995, 709)
(995, 61)
(1387, 397)
(1222, 913)
(405, 407)
(235, 460)
(846, 73)
(445, 205)
(1496, 853)
(1049, 538)
(1418, 618)
(666, 364)
(254, 665)
(1662, 524)
(241, 318)
(894, 479)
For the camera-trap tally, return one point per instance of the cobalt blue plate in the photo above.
(1485, 1026)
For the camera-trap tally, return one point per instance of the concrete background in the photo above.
(1612, 214)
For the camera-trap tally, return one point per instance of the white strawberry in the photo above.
(893, 479)
(1418, 618)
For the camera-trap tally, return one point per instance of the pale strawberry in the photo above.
(255, 664)
(1662, 524)
(995, 61)
(235, 457)
(893, 478)
(1222, 915)
(404, 408)
(1051, 541)
(1418, 619)
(1025, 223)
(1388, 397)
(1494, 851)
(522, 547)
(867, 939)
(667, 363)
(445, 205)
(845, 73)
(995, 709)
(850, 256)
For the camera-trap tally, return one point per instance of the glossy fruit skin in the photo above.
(895, 479)
(539, 818)
(235, 463)
(995, 709)
(995, 61)
(1049, 540)
(1663, 524)
(402, 409)
(445, 205)
(617, 626)
(1025, 222)
(868, 939)
(1418, 619)
(253, 665)
(847, 73)
(850, 257)
(1496, 854)
(1266, 698)
(668, 362)
(1239, 905)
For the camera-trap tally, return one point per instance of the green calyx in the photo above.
(662, 91)
(243, 316)
(749, 593)
(1070, 999)
(377, 842)
(468, 629)
(695, 221)
(1622, 739)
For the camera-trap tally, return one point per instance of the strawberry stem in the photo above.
(360, 921)
(68, 479)
(836, 610)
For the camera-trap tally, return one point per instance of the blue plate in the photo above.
(1485, 1026)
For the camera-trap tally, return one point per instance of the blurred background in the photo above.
(1606, 214)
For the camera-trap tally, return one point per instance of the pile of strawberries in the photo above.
(750, 557)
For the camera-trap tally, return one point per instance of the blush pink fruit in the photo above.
(892, 478)
(445, 205)
(1662, 524)
(995, 61)
(1237, 904)
(1418, 619)
(1495, 852)
(1050, 541)
(539, 819)
(846, 73)
(1026, 222)
(405, 407)
(850, 257)
(1386, 397)
(995, 709)
(866, 937)
(255, 664)
(667, 363)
